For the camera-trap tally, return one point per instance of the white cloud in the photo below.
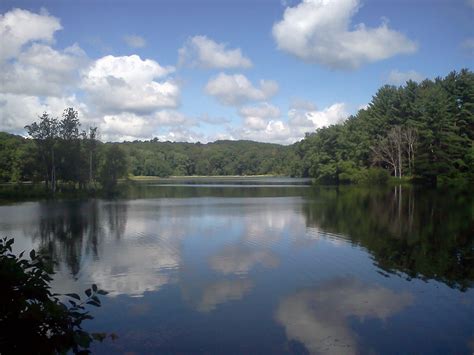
(314, 119)
(258, 117)
(201, 51)
(262, 124)
(320, 31)
(320, 318)
(16, 111)
(116, 84)
(235, 90)
(19, 27)
(134, 41)
(182, 134)
(273, 131)
(397, 77)
(43, 71)
(125, 126)
(470, 3)
(264, 110)
(173, 118)
(130, 126)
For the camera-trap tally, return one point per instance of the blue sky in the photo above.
(205, 70)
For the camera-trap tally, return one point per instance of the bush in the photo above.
(34, 320)
(375, 176)
(363, 176)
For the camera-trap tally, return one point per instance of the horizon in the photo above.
(147, 71)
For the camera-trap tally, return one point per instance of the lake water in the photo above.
(265, 267)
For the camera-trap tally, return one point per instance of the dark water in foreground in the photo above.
(265, 268)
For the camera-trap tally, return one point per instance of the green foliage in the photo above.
(32, 318)
(18, 159)
(154, 158)
(114, 167)
(440, 116)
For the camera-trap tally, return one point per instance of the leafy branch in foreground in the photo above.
(32, 318)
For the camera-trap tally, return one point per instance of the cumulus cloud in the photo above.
(320, 31)
(134, 41)
(43, 71)
(320, 318)
(203, 52)
(258, 117)
(19, 27)
(128, 84)
(130, 126)
(262, 123)
(314, 119)
(235, 90)
(16, 111)
(274, 131)
(182, 134)
(125, 126)
(397, 77)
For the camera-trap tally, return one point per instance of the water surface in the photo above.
(265, 267)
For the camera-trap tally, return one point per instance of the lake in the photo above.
(264, 266)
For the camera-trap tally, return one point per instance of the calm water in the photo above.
(265, 267)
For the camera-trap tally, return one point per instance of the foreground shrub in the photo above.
(32, 319)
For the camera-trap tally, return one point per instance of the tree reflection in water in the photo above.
(68, 230)
(426, 234)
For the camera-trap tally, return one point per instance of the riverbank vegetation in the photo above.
(422, 132)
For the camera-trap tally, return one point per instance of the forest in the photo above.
(423, 132)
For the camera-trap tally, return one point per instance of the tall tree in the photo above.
(45, 134)
(114, 167)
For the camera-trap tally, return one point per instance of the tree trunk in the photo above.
(90, 168)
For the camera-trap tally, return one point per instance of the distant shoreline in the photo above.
(186, 177)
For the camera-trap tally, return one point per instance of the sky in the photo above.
(194, 71)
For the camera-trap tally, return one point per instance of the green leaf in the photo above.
(32, 254)
(102, 292)
(94, 287)
(88, 292)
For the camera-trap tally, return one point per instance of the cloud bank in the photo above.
(320, 31)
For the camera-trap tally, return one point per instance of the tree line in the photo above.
(59, 151)
(422, 131)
